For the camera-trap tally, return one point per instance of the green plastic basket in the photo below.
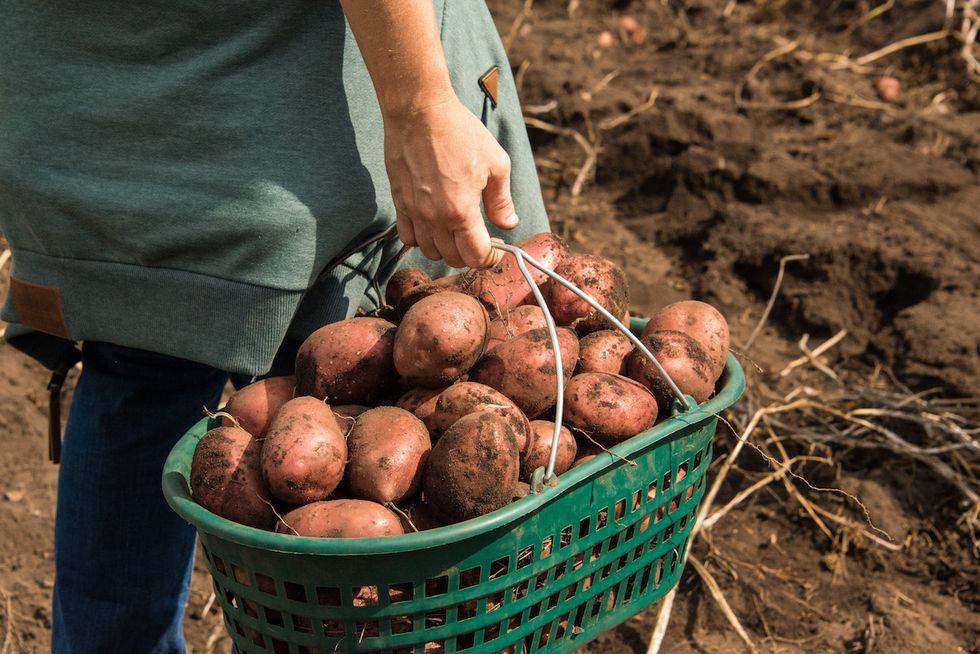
(545, 574)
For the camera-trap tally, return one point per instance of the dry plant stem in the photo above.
(719, 597)
(8, 630)
(214, 415)
(391, 506)
(772, 298)
(791, 489)
(901, 45)
(812, 358)
(817, 351)
(515, 27)
(663, 620)
(895, 547)
(742, 495)
(623, 118)
(208, 605)
(590, 150)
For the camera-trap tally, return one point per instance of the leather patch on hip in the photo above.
(38, 307)
(488, 82)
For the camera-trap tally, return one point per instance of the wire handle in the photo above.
(523, 256)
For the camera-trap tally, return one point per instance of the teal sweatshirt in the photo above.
(174, 176)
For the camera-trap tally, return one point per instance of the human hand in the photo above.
(441, 160)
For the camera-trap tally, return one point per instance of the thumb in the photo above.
(497, 201)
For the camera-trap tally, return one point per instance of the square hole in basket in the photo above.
(534, 612)
(669, 533)
(402, 624)
(491, 633)
(525, 556)
(562, 625)
(660, 513)
(238, 628)
(622, 562)
(697, 459)
(630, 532)
(267, 584)
(541, 580)
(326, 596)
(606, 569)
(546, 545)
(435, 619)
(638, 552)
(583, 527)
(400, 592)
(660, 571)
(333, 628)
(654, 542)
(682, 470)
(251, 609)
(240, 575)
(596, 606)
(652, 490)
(464, 642)
(273, 616)
(279, 647)
(565, 538)
(601, 519)
(645, 579)
(365, 595)
(219, 565)
(666, 484)
(630, 585)
(368, 629)
(553, 601)
(560, 570)
(466, 610)
(613, 543)
(294, 592)
(674, 503)
(436, 586)
(469, 578)
(495, 601)
(596, 552)
(637, 500)
(519, 591)
(620, 510)
(578, 560)
(587, 582)
(500, 567)
(302, 624)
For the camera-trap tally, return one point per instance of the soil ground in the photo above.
(758, 145)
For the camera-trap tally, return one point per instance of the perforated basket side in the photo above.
(599, 552)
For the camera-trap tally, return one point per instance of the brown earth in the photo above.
(743, 158)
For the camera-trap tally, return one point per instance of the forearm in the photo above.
(399, 40)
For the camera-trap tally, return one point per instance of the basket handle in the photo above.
(521, 256)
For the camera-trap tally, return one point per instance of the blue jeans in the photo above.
(123, 558)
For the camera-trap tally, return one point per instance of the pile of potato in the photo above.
(438, 407)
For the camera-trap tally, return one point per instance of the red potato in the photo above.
(347, 362)
(226, 478)
(421, 402)
(700, 321)
(600, 278)
(608, 408)
(523, 369)
(304, 452)
(464, 398)
(604, 351)
(514, 323)
(341, 519)
(472, 469)
(586, 453)
(539, 449)
(402, 282)
(440, 338)
(682, 358)
(547, 249)
(387, 448)
(441, 285)
(254, 405)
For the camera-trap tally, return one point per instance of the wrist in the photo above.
(401, 105)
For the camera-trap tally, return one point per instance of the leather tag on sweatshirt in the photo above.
(38, 307)
(488, 82)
